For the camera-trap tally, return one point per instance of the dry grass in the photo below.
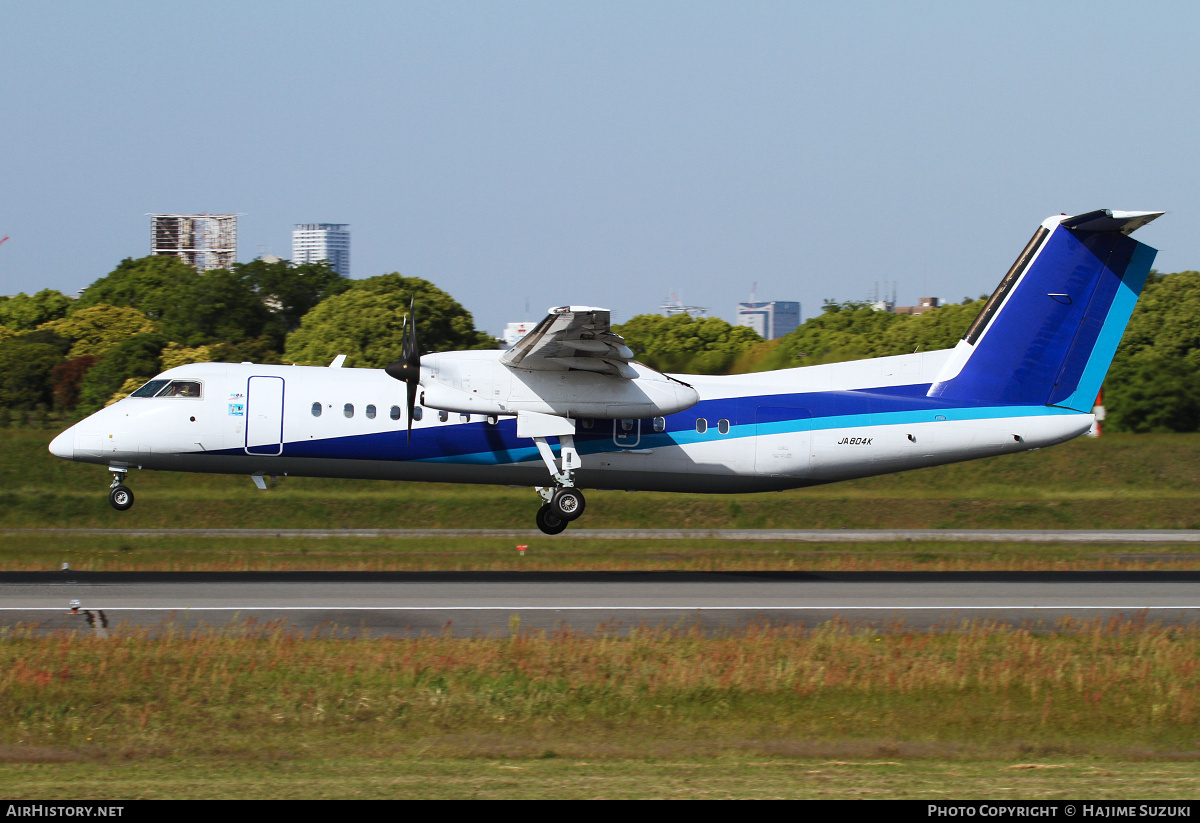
(981, 691)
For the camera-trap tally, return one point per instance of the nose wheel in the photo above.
(121, 498)
(119, 495)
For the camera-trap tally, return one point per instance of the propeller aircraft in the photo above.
(569, 407)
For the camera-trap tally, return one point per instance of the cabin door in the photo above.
(264, 415)
(782, 440)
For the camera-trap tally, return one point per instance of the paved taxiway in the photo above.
(470, 602)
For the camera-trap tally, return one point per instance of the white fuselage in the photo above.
(754, 432)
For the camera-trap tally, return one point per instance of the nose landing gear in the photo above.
(119, 494)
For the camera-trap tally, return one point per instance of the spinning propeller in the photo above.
(408, 367)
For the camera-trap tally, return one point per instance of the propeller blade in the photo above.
(412, 402)
(408, 367)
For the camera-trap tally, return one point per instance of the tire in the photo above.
(568, 503)
(548, 522)
(121, 498)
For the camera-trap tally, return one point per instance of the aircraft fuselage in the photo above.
(746, 433)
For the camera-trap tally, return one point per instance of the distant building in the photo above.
(771, 319)
(672, 306)
(924, 304)
(515, 331)
(203, 241)
(313, 242)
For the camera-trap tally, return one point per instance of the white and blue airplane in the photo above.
(569, 407)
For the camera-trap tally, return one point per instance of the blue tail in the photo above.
(1049, 332)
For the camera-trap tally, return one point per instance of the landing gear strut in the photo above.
(562, 502)
(119, 494)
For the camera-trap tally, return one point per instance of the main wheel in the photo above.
(567, 503)
(548, 522)
(121, 498)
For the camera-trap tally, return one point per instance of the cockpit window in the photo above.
(180, 388)
(150, 389)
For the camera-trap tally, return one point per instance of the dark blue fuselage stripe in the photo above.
(485, 443)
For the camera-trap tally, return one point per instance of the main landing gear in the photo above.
(562, 502)
(119, 494)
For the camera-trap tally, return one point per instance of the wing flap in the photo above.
(573, 337)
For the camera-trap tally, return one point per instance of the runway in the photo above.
(469, 603)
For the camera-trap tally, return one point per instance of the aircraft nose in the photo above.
(64, 445)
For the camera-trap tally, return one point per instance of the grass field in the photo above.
(399, 775)
(767, 711)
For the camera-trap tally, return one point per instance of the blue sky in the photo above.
(601, 153)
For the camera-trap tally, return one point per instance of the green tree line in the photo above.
(150, 314)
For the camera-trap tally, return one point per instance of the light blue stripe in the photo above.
(681, 438)
(1084, 396)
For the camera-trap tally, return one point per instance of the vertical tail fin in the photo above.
(1049, 332)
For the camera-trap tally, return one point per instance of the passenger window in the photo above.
(418, 413)
(626, 425)
(587, 422)
(150, 389)
(316, 409)
(181, 388)
(701, 425)
(660, 424)
(443, 416)
(464, 418)
(370, 412)
(394, 413)
(723, 426)
(348, 410)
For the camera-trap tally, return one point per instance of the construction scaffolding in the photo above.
(203, 241)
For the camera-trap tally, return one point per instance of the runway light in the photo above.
(74, 607)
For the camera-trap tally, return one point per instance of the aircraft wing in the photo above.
(573, 338)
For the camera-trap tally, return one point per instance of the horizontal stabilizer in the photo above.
(1125, 222)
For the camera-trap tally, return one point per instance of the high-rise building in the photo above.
(312, 242)
(203, 241)
(771, 319)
